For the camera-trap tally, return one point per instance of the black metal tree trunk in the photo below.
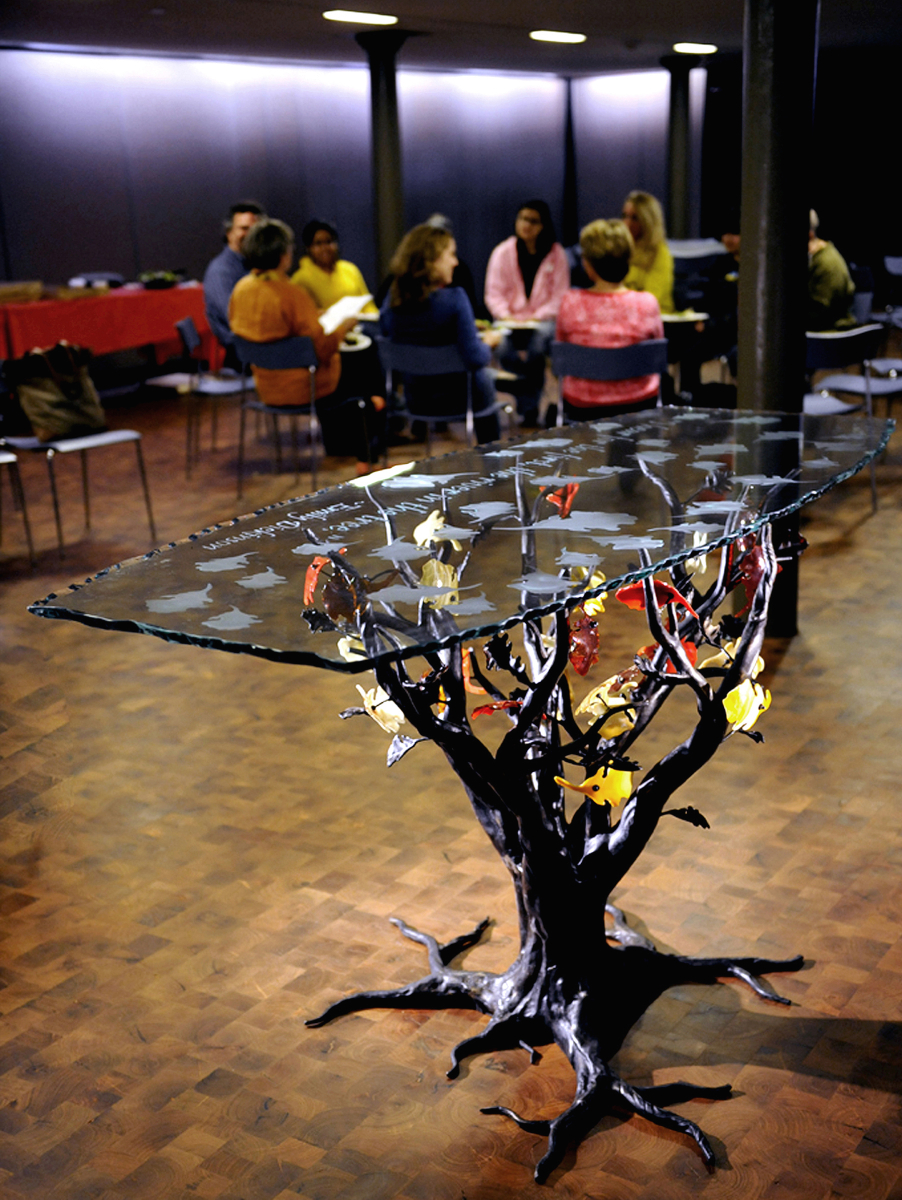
(582, 990)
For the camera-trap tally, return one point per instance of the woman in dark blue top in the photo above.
(423, 310)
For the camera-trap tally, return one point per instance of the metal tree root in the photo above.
(524, 1013)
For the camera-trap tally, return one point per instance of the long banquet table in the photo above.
(116, 320)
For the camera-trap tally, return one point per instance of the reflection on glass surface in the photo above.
(464, 545)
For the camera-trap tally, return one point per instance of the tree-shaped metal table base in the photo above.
(569, 986)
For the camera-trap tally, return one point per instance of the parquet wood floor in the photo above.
(196, 856)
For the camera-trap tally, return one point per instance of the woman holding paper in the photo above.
(266, 307)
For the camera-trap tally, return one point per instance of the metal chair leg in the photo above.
(869, 404)
(295, 441)
(241, 424)
(314, 436)
(18, 492)
(143, 472)
(56, 500)
(188, 430)
(276, 444)
(85, 491)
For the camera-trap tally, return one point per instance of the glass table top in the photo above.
(461, 546)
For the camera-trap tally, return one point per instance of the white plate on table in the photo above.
(687, 317)
(512, 324)
(355, 341)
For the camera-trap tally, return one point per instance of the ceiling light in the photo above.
(555, 35)
(359, 18)
(694, 48)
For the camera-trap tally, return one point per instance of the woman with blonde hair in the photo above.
(608, 314)
(423, 309)
(651, 265)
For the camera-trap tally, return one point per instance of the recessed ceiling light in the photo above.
(555, 35)
(694, 48)
(359, 18)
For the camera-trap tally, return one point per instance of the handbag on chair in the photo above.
(56, 393)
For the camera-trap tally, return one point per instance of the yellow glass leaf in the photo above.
(384, 712)
(428, 531)
(607, 786)
(745, 704)
(439, 574)
(594, 606)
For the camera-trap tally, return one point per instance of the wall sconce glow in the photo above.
(556, 35)
(694, 48)
(359, 18)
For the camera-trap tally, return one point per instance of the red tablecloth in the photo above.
(117, 320)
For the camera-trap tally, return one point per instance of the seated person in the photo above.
(651, 265)
(327, 279)
(525, 278)
(830, 286)
(463, 276)
(224, 271)
(322, 273)
(608, 314)
(717, 337)
(267, 307)
(422, 309)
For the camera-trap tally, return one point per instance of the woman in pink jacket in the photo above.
(526, 277)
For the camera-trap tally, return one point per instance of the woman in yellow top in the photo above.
(651, 263)
(324, 275)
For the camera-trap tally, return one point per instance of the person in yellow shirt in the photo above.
(651, 263)
(322, 274)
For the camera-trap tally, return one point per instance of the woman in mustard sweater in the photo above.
(651, 263)
(266, 307)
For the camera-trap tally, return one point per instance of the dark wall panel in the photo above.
(179, 135)
(475, 147)
(128, 163)
(64, 184)
(620, 130)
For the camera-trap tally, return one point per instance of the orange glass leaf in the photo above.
(633, 596)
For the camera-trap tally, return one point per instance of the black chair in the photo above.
(607, 364)
(846, 348)
(287, 354)
(203, 386)
(425, 361)
(81, 446)
(9, 460)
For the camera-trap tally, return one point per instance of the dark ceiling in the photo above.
(455, 33)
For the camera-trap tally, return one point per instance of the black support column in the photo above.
(679, 166)
(779, 60)
(570, 216)
(779, 70)
(381, 47)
